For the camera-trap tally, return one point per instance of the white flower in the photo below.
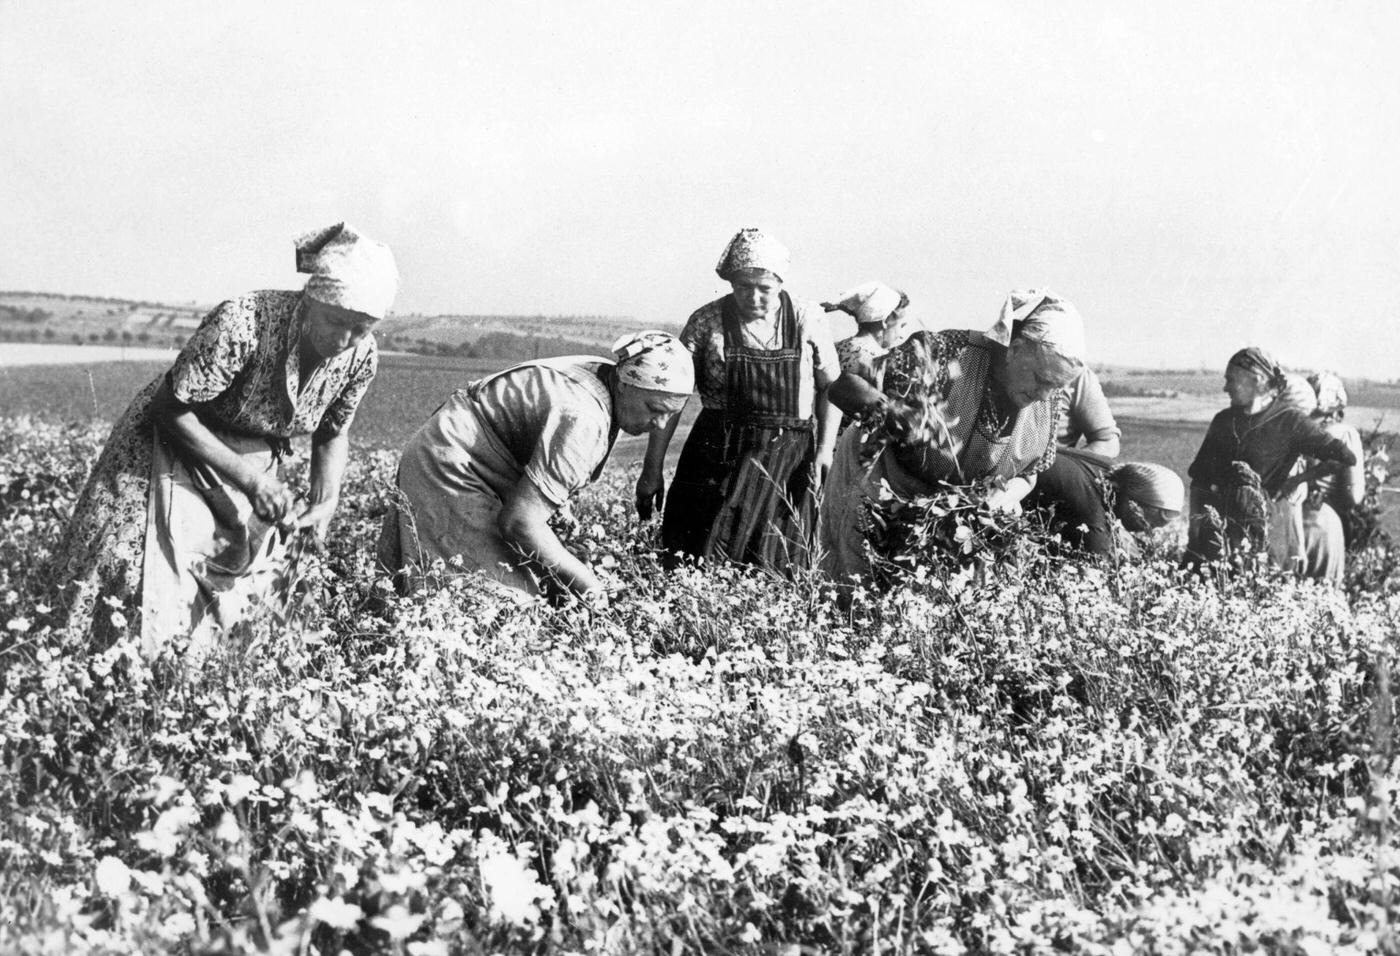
(335, 913)
(398, 922)
(113, 877)
(18, 624)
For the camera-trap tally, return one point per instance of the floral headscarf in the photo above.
(348, 269)
(655, 361)
(753, 249)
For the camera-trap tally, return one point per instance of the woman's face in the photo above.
(1243, 386)
(755, 292)
(1033, 373)
(888, 335)
(327, 330)
(640, 411)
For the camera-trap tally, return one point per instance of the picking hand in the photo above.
(651, 495)
(317, 517)
(272, 501)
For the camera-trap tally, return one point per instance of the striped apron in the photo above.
(745, 486)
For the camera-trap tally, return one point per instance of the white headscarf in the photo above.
(1331, 393)
(1042, 316)
(753, 249)
(348, 269)
(655, 361)
(1150, 484)
(867, 303)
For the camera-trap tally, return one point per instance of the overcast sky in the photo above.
(1196, 176)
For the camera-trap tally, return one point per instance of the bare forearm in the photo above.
(853, 394)
(329, 454)
(654, 461)
(181, 424)
(1107, 447)
(537, 542)
(828, 423)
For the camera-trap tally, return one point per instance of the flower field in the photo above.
(1026, 756)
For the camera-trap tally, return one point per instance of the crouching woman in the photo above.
(479, 482)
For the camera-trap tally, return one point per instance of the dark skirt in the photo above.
(743, 493)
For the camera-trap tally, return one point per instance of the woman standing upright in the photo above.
(745, 486)
(1332, 496)
(1245, 470)
(178, 519)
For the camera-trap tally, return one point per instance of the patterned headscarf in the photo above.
(1149, 485)
(752, 249)
(868, 303)
(1331, 393)
(348, 269)
(1044, 317)
(1261, 363)
(655, 361)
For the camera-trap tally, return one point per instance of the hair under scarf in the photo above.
(1044, 317)
(754, 249)
(348, 270)
(868, 303)
(1149, 485)
(655, 361)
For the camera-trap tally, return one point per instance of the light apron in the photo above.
(208, 560)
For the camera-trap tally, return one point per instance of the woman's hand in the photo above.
(317, 517)
(651, 493)
(1004, 502)
(272, 500)
(822, 463)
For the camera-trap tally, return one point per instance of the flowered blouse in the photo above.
(860, 355)
(242, 368)
(959, 431)
(704, 336)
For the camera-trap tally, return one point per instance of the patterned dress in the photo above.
(240, 371)
(960, 430)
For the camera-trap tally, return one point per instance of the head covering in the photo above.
(1297, 393)
(655, 361)
(752, 249)
(1149, 485)
(868, 303)
(348, 270)
(1044, 317)
(1331, 393)
(1261, 363)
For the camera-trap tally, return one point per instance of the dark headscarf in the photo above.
(1261, 363)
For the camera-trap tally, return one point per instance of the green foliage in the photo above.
(1032, 758)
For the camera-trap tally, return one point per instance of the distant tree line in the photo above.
(492, 345)
(13, 313)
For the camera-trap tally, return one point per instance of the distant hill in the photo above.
(55, 317)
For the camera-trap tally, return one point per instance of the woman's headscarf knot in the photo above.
(1042, 316)
(868, 303)
(655, 361)
(754, 249)
(348, 269)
